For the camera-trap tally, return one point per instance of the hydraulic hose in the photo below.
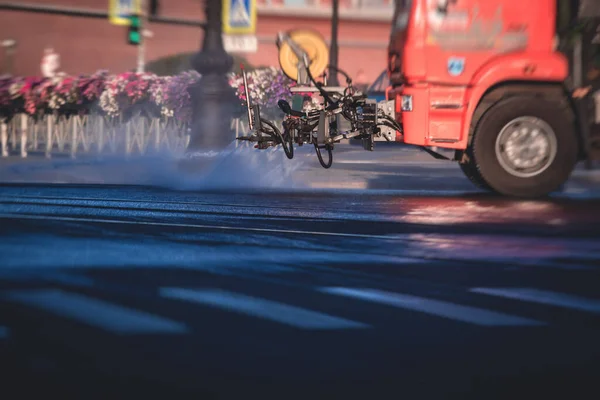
(288, 148)
(320, 157)
(341, 71)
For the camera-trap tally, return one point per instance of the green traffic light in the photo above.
(134, 34)
(134, 37)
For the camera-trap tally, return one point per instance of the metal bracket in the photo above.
(303, 59)
(435, 154)
(256, 122)
(323, 128)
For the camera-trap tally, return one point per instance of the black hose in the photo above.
(393, 122)
(339, 70)
(390, 123)
(389, 126)
(320, 157)
(387, 117)
(289, 152)
(320, 87)
(290, 135)
(289, 149)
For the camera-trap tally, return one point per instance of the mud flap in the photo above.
(581, 108)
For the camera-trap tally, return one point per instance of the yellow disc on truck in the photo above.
(315, 47)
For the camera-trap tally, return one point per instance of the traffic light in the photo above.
(134, 34)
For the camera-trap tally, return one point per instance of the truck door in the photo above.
(463, 35)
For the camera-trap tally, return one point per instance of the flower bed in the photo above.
(127, 93)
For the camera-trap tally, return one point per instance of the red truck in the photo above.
(485, 78)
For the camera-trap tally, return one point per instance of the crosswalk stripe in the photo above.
(452, 311)
(271, 310)
(543, 297)
(104, 315)
(3, 332)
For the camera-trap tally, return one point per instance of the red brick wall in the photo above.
(88, 44)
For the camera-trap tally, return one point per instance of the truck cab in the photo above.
(483, 77)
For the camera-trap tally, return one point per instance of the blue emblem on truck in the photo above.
(456, 66)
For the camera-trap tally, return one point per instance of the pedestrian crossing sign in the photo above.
(239, 16)
(119, 11)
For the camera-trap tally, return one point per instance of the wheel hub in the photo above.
(526, 147)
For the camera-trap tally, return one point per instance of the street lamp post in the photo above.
(213, 99)
(333, 50)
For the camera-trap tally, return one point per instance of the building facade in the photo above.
(87, 42)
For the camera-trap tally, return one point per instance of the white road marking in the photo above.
(544, 297)
(389, 162)
(356, 184)
(198, 226)
(267, 309)
(4, 333)
(398, 237)
(65, 200)
(443, 309)
(97, 313)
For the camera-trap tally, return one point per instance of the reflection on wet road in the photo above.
(360, 295)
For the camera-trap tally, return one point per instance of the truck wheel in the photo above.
(525, 146)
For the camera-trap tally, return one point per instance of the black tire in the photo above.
(472, 173)
(483, 149)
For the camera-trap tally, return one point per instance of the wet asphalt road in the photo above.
(121, 290)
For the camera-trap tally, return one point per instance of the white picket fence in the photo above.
(95, 133)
